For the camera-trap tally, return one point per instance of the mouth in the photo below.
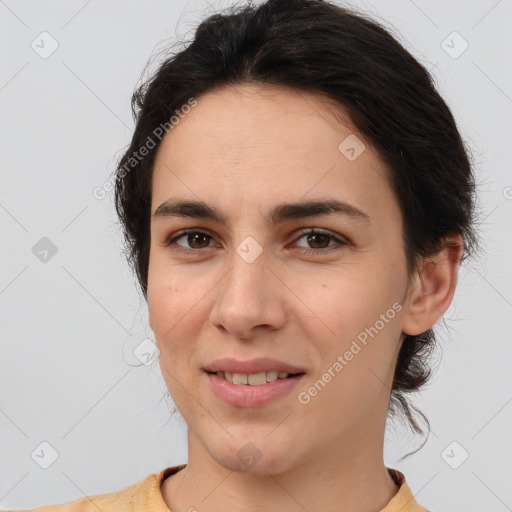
(254, 379)
(252, 390)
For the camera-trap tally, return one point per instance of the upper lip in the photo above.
(258, 365)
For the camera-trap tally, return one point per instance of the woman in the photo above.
(296, 201)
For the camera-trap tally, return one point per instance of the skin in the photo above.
(243, 149)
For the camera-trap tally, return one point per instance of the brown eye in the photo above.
(319, 240)
(195, 241)
(197, 237)
(316, 238)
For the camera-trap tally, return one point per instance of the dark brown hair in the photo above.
(317, 46)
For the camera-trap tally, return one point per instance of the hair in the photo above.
(391, 98)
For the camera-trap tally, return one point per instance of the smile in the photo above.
(253, 379)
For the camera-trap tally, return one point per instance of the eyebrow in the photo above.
(278, 213)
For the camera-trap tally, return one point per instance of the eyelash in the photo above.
(310, 231)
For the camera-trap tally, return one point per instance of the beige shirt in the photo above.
(146, 496)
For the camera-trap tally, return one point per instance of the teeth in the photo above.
(253, 379)
(239, 378)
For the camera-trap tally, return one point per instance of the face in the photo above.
(249, 286)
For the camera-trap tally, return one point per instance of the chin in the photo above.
(256, 455)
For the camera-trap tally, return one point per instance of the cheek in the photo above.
(171, 318)
(165, 311)
(161, 304)
(346, 302)
(358, 312)
(167, 294)
(176, 307)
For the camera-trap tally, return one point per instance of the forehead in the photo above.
(250, 146)
(237, 117)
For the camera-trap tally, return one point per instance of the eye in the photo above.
(198, 240)
(315, 236)
(192, 237)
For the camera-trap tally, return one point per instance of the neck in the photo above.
(343, 480)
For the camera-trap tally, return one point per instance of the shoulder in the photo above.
(404, 500)
(116, 501)
(141, 496)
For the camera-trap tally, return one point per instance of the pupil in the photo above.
(194, 237)
(312, 237)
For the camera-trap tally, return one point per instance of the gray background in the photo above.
(69, 325)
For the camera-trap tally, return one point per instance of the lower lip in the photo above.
(245, 395)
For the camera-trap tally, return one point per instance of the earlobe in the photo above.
(433, 288)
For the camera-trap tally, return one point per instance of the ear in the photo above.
(432, 288)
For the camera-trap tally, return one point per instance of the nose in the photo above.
(250, 298)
